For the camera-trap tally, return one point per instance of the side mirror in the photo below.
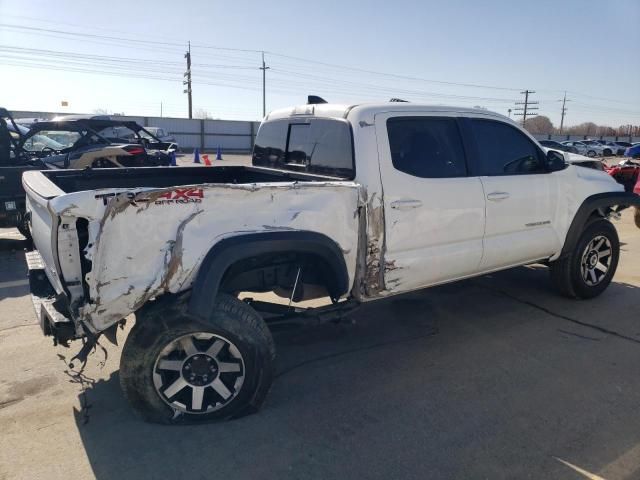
(555, 161)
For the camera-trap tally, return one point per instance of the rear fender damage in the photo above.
(141, 247)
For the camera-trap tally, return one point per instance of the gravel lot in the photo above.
(495, 377)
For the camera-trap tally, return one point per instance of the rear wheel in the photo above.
(591, 153)
(177, 369)
(588, 270)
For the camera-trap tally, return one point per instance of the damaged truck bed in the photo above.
(119, 247)
(347, 203)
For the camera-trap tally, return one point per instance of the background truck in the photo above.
(347, 203)
(12, 166)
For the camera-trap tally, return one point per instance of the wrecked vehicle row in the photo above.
(74, 143)
(347, 203)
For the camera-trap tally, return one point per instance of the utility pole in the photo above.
(160, 109)
(564, 111)
(264, 69)
(187, 82)
(526, 108)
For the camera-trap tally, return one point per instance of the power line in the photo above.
(341, 67)
(393, 75)
(159, 69)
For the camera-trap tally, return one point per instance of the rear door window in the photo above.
(427, 147)
(504, 150)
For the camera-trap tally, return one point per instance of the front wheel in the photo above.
(177, 369)
(588, 270)
(591, 153)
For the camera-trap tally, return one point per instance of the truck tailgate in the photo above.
(43, 222)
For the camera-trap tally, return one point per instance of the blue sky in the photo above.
(424, 47)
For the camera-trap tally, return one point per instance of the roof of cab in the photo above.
(367, 110)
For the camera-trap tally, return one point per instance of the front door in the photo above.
(521, 196)
(434, 211)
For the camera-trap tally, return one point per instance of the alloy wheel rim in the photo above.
(596, 260)
(199, 373)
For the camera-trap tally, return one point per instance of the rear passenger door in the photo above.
(521, 195)
(433, 209)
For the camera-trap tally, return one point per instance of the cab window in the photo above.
(504, 150)
(426, 147)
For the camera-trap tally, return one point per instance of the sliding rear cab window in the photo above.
(319, 145)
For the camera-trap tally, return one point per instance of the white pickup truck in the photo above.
(351, 203)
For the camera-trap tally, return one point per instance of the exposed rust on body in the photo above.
(374, 277)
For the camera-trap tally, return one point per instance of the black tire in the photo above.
(231, 320)
(636, 216)
(591, 153)
(567, 273)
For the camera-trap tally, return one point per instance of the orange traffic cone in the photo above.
(206, 160)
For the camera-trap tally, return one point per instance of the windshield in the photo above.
(50, 140)
(118, 134)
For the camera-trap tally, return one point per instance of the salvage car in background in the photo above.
(613, 147)
(131, 132)
(558, 146)
(626, 173)
(12, 165)
(82, 143)
(161, 134)
(622, 145)
(589, 148)
(633, 151)
(65, 144)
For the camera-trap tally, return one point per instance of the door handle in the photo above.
(406, 204)
(497, 196)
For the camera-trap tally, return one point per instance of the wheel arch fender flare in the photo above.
(598, 203)
(232, 249)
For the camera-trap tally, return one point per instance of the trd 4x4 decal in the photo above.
(175, 196)
(182, 195)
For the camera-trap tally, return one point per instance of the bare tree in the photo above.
(539, 124)
(202, 114)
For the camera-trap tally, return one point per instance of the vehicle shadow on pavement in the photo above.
(462, 381)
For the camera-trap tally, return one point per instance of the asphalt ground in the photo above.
(490, 378)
